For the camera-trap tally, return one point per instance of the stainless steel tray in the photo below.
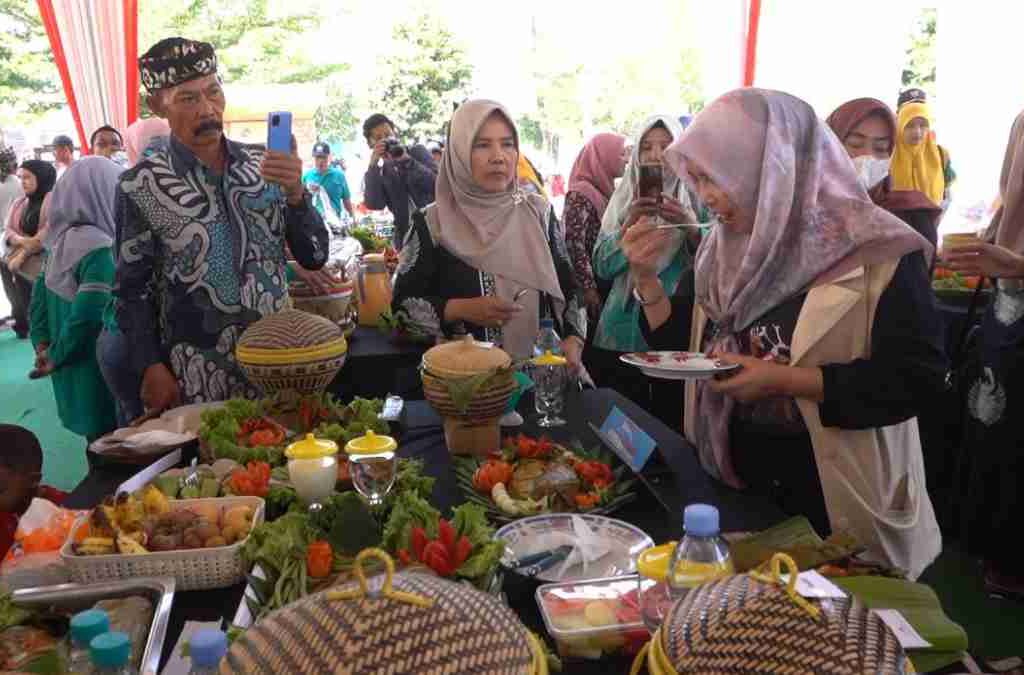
(76, 597)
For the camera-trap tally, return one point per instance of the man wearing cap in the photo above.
(202, 228)
(332, 181)
(64, 153)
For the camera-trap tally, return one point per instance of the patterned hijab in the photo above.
(593, 173)
(813, 223)
(1007, 228)
(81, 214)
(917, 167)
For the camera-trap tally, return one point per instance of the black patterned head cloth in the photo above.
(175, 60)
(914, 95)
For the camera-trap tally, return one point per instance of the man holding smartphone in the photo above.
(398, 178)
(202, 227)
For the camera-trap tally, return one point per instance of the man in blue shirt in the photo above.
(327, 178)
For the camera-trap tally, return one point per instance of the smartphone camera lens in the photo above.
(275, 120)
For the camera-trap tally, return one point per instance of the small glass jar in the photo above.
(373, 463)
(313, 468)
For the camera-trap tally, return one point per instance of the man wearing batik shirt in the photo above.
(202, 228)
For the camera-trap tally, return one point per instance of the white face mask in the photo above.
(120, 158)
(870, 170)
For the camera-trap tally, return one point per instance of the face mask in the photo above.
(870, 170)
(120, 158)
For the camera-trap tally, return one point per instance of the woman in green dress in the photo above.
(72, 291)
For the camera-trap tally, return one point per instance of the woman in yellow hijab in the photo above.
(919, 163)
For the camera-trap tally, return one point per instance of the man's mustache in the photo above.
(209, 125)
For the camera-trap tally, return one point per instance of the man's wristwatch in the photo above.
(644, 302)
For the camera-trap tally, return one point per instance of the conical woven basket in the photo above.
(410, 622)
(292, 350)
(751, 623)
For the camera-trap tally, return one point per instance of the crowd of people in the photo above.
(795, 248)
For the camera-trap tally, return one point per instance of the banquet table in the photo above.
(672, 479)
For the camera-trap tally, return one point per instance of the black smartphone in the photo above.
(649, 182)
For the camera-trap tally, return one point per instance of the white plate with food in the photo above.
(677, 365)
(568, 547)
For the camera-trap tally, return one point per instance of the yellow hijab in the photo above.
(917, 167)
(528, 175)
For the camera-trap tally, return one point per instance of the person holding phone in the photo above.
(821, 297)
(398, 178)
(202, 227)
(487, 256)
(649, 192)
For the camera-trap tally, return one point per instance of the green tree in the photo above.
(919, 70)
(256, 40)
(336, 118)
(424, 75)
(29, 81)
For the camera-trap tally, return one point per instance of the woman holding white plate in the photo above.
(823, 300)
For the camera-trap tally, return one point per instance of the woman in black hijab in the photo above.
(23, 239)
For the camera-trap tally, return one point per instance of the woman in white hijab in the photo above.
(618, 330)
(486, 256)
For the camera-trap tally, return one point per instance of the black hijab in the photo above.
(46, 177)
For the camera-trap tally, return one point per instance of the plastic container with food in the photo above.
(590, 619)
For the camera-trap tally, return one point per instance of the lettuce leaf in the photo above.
(410, 510)
(482, 560)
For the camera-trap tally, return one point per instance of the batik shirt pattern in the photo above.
(201, 257)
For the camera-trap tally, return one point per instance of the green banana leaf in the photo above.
(921, 607)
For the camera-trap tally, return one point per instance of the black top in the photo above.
(396, 183)
(429, 275)
(771, 448)
(907, 368)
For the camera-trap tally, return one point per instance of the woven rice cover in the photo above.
(742, 625)
(289, 329)
(465, 631)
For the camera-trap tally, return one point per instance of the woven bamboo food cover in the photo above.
(460, 360)
(292, 350)
(409, 622)
(753, 623)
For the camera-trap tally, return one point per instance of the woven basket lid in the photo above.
(391, 623)
(464, 357)
(750, 623)
(288, 336)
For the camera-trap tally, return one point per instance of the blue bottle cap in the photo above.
(87, 625)
(110, 650)
(700, 520)
(547, 322)
(207, 647)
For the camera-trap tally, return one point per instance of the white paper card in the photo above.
(813, 585)
(243, 617)
(908, 637)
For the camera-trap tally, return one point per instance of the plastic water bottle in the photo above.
(84, 627)
(702, 555)
(206, 648)
(550, 375)
(112, 654)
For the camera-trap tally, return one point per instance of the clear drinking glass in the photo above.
(373, 474)
(550, 382)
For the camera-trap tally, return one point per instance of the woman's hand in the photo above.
(643, 244)
(483, 311)
(983, 259)
(673, 211)
(757, 379)
(572, 348)
(640, 208)
(320, 280)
